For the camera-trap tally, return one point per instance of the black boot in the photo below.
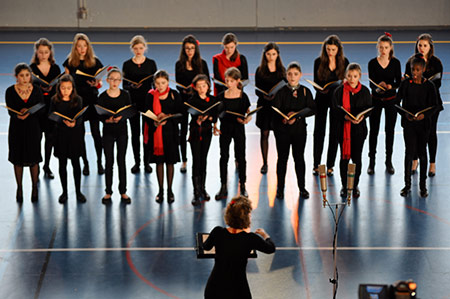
(223, 192)
(371, 168)
(389, 167)
(197, 195)
(203, 192)
(280, 192)
(243, 191)
(407, 189)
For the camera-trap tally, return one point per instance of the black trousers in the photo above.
(183, 136)
(432, 139)
(415, 135)
(200, 149)
(76, 173)
(357, 144)
(390, 114)
(108, 143)
(323, 103)
(284, 140)
(135, 126)
(234, 132)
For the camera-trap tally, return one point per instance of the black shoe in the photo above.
(423, 192)
(126, 200)
(170, 197)
(63, 198)
(81, 198)
(356, 193)
(223, 192)
(135, 169)
(280, 193)
(183, 169)
(264, 169)
(196, 201)
(315, 171)
(48, 173)
(106, 200)
(389, 168)
(148, 168)
(34, 195)
(431, 174)
(205, 195)
(100, 169)
(243, 191)
(160, 197)
(304, 194)
(343, 192)
(405, 191)
(330, 172)
(19, 196)
(86, 169)
(371, 168)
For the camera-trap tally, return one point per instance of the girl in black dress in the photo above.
(162, 137)
(290, 99)
(135, 69)
(328, 68)
(189, 65)
(417, 94)
(233, 127)
(200, 134)
(434, 72)
(69, 135)
(233, 245)
(385, 71)
(44, 67)
(82, 58)
(354, 98)
(268, 74)
(115, 131)
(24, 133)
(230, 57)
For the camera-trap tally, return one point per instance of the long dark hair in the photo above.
(46, 43)
(231, 38)
(429, 39)
(196, 61)
(264, 69)
(74, 98)
(324, 69)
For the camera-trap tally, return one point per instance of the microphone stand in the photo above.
(337, 213)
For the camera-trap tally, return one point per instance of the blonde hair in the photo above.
(136, 40)
(353, 67)
(74, 57)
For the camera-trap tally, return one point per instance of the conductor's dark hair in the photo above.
(237, 213)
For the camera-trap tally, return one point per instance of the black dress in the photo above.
(228, 278)
(68, 141)
(266, 83)
(171, 105)
(24, 136)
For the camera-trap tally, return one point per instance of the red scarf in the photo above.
(224, 63)
(347, 145)
(158, 148)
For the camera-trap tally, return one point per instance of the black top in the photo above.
(392, 75)
(358, 103)
(243, 68)
(68, 142)
(24, 136)
(54, 72)
(228, 278)
(114, 104)
(332, 76)
(415, 97)
(292, 100)
(87, 92)
(239, 105)
(266, 83)
(185, 77)
(202, 104)
(434, 66)
(137, 72)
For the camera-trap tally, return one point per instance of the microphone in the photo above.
(323, 183)
(350, 181)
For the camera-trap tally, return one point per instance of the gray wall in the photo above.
(225, 13)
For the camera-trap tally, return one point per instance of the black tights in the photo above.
(34, 171)
(264, 142)
(76, 173)
(48, 145)
(160, 175)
